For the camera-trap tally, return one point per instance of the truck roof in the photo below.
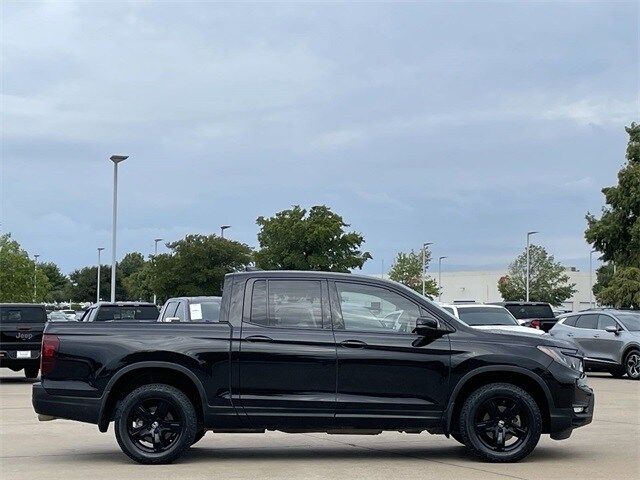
(307, 273)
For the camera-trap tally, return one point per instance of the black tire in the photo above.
(632, 364)
(500, 422)
(458, 438)
(31, 372)
(155, 424)
(199, 434)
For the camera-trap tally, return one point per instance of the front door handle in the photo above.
(569, 334)
(353, 344)
(258, 338)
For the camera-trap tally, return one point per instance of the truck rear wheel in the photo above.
(500, 422)
(155, 424)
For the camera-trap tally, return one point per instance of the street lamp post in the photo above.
(222, 229)
(528, 262)
(155, 254)
(116, 159)
(591, 277)
(99, 263)
(440, 277)
(35, 277)
(424, 262)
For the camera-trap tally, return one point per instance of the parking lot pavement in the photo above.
(607, 449)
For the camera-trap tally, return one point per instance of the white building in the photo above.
(482, 286)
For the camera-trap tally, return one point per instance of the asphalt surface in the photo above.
(609, 448)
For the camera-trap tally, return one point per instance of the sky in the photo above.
(462, 124)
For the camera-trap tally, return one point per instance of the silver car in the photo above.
(610, 339)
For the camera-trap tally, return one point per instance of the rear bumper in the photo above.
(82, 409)
(8, 360)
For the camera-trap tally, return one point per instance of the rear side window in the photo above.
(26, 314)
(118, 313)
(570, 321)
(587, 321)
(287, 303)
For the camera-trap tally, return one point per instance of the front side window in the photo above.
(287, 303)
(570, 321)
(605, 321)
(369, 308)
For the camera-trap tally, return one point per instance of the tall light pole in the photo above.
(440, 277)
(424, 262)
(155, 254)
(35, 277)
(99, 263)
(591, 277)
(528, 261)
(222, 229)
(116, 159)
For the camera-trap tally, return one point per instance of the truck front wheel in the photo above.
(500, 422)
(155, 424)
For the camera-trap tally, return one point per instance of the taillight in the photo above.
(535, 324)
(50, 345)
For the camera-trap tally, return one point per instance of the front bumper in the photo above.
(82, 409)
(562, 421)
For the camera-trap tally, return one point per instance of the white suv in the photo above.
(487, 317)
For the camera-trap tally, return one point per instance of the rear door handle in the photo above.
(353, 344)
(569, 334)
(258, 338)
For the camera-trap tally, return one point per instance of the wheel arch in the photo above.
(627, 349)
(141, 373)
(495, 374)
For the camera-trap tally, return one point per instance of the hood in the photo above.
(516, 329)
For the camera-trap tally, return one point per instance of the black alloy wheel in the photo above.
(155, 424)
(632, 364)
(500, 422)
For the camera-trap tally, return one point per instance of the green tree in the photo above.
(18, 274)
(195, 265)
(84, 283)
(295, 240)
(130, 264)
(407, 269)
(616, 234)
(623, 291)
(548, 282)
(59, 282)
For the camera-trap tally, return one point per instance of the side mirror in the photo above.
(611, 329)
(426, 326)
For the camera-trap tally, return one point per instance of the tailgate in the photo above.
(21, 330)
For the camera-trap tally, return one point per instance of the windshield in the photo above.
(630, 320)
(26, 314)
(475, 316)
(530, 311)
(122, 313)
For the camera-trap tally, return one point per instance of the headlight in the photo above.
(567, 357)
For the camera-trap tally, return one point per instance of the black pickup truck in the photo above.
(312, 352)
(21, 326)
(531, 314)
